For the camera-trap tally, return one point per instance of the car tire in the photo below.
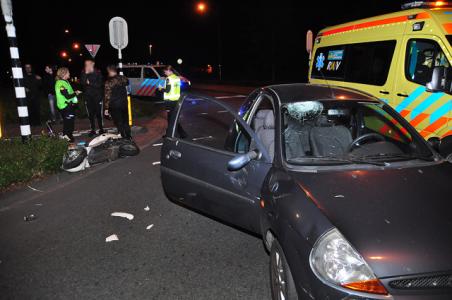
(128, 149)
(73, 158)
(281, 280)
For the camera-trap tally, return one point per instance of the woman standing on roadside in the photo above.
(66, 102)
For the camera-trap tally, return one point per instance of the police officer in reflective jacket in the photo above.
(66, 102)
(171, 92)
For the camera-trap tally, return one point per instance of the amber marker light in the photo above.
(373, 286)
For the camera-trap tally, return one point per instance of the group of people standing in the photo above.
(109, 98)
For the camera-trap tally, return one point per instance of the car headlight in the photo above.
(338, 264)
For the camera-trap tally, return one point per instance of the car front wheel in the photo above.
(282, 284)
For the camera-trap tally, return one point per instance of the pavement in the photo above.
(63, 254)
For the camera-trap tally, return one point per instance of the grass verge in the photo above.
(21, 162)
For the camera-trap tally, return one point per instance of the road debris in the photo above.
(122, 215)
(147, 208)
(112, 238)
(149, 226)
(33, 189)
(29, 218)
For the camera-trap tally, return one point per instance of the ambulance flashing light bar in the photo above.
(426, 4)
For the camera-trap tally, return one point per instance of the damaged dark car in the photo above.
(351, 202)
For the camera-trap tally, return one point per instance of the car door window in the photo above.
(149, 73)
(208, 124)
(422, 56)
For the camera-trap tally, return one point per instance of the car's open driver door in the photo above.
(194, 163)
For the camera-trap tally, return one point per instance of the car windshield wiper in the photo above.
(340, 160)
(402, 156)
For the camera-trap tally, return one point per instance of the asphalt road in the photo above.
(63, 254)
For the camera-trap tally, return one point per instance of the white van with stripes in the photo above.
(145, 79)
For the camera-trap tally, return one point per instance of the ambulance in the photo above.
(403, 58)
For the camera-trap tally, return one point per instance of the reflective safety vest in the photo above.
(62, 102)
(174, 92)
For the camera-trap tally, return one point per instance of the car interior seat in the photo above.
(329, 140)
(296, 137)
(258, 121)
(267, 132)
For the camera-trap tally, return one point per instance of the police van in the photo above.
(403, 58)
(145, 80)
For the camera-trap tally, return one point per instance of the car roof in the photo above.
(296, 92)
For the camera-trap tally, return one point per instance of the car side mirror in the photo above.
(240, 161)
(436, 84)
(445, 147)
(434, 142)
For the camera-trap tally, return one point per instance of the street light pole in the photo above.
(16, 67)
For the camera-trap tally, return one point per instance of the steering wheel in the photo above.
(369, 136)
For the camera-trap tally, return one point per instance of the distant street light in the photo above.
(63, 54)
(179, 61)
(76, 46)
(150, 50)
(201, 7)
(66, 31)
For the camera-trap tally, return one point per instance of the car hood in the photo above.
(399, 220)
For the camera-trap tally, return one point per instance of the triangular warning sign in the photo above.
(92, 49)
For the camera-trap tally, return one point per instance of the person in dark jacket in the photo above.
(32, 84)
(48, 81)
(91, 80)
(115, 102)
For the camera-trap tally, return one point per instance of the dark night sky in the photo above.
(254, 34)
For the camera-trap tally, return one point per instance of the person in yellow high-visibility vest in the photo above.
(171, 91)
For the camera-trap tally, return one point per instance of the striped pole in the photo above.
(129, 101)
(16, 68)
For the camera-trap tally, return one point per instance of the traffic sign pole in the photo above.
(119, 38)
(16, 68)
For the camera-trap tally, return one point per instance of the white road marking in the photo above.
(122, 215)
(155, 163)
(204, 113)
(234, 96)
(157, 145)
(149, 227)
(147, 208)
(222, 111)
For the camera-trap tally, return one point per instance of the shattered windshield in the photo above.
(347, 132)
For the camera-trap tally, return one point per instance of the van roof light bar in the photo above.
(426, 4)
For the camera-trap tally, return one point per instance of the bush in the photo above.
(20, 162)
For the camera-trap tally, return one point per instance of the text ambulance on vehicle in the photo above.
(403, 58)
